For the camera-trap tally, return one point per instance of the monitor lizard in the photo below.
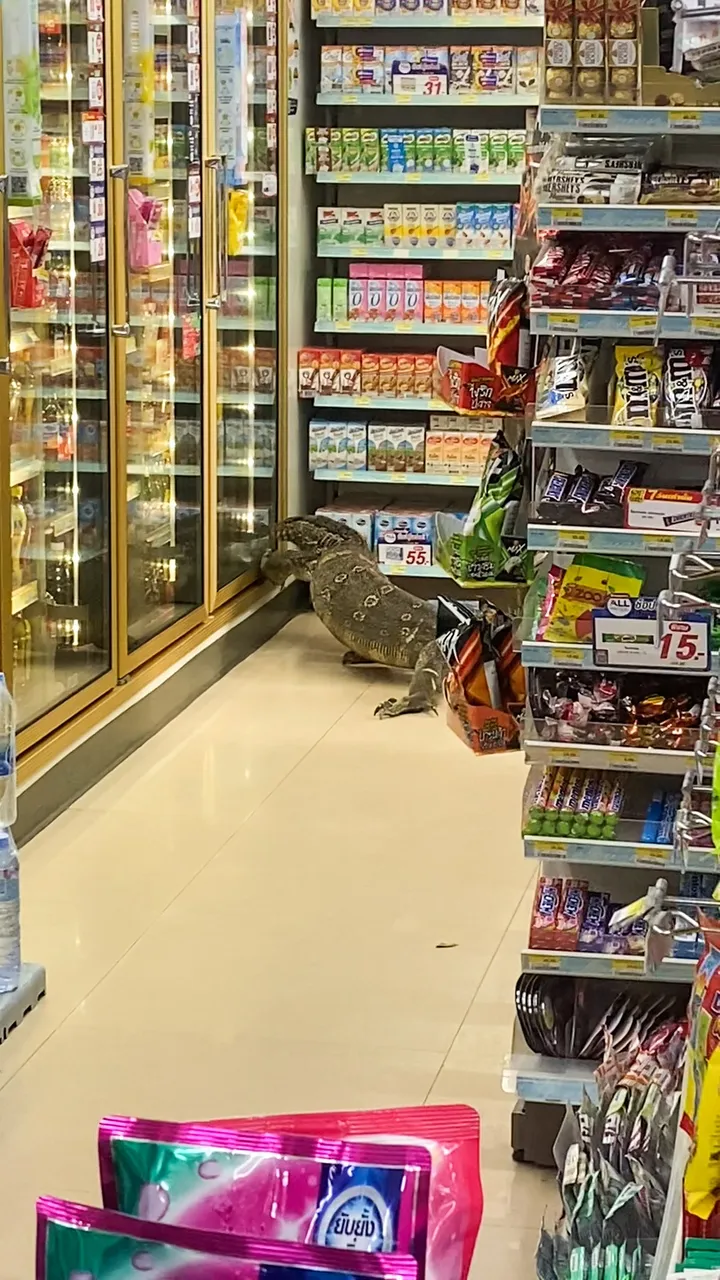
(375, 620)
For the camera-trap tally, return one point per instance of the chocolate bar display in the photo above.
(592, 51)
(623, 710)
(610, 272)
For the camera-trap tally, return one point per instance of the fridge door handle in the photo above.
(214, 163)
(121, 173)
(5, 362)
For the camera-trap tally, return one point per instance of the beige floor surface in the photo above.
(245, 916)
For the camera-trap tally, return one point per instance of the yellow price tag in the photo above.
(341, 177)
(563, 755)
(706, 324)
(543, 962)
(362, 401)
(342, 324)
(404, 98)
(404, 326)
(568, 217)
(451, 253)
(666, 441)
(684, 119)
(642, 324)
(658, 541)
(592, 117)
(573, 537)
(567, 320)
(358, 251)
(627, 965)
(681, 217)
(552, 849)
(566, 657)
(351, 97)
(627, 439)
(653, 853)
(413, 176)
(624, 760)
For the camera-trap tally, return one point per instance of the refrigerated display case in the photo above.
(56, 578)
(245, 144)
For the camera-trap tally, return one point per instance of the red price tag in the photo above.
(419, 555)
(684, 644)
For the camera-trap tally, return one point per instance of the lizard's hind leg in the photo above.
(278, 566)
(425, 686)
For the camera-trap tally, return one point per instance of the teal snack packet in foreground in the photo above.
(75, 1241)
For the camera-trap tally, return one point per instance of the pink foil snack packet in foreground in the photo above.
(369, 1197)
(452, 1136)
(75, 1241)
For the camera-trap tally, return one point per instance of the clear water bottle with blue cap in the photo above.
(9, 914)
(8, 795)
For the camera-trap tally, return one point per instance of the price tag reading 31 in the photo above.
(625, 634)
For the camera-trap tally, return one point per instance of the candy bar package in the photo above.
(75, 1241)
(637, 388)
(563, 383)
(353, 1195)
(587, 584)
(451, 1134)
(687, 387)
(625, 710)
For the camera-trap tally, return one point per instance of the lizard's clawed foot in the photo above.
(410, 705)
(352, 659)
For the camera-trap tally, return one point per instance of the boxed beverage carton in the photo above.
(369, 373)
(498, 152)
(322, 137)
(340, 301)
(415, 447)
(470, 303)
(350, 371)
(374, 224)
(351, 154)
(331, 68)
(310, 150)
(483, 226)
(434, 451)
(337, 446)
(465, 225)
(501, 226)
(433, 301)
(412, 224)
(430, 221)
(424, 370)
(387, 375)
(405, 385)
(309, 372)
(356, 437)
(446, 214)
(357, 296)
(461, 69)
(451, 301)
(370, 150)
(317, 444)
(470, 455)
(394, 225)
(394, 295)
(377, 296)
(336, 150)
(398, 529)
(453, 452)
(516, 150)
(527, 75)
(377, 446)
(329, 227)
(329, 377)
(425, 150)
(323, 309)
(352, 229)
(442, 150)
(392, 150)
(413, 298)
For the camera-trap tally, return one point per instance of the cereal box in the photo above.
(461, 69)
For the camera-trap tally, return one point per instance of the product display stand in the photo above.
(443, 119)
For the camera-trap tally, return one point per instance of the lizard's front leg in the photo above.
(425, 686)
(278, 566)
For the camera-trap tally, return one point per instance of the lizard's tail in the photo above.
(317, 533)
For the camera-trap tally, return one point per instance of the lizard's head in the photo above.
(317, 534)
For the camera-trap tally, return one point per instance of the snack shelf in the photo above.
(538, 1079)
(396, 326)
(585, 755)
(421, 404)
(627, 217)
(397, 477)
(543, 537)
(413, 570)
(543, 653)
(581, 435)
(638, 325)
(365, 178)
(601, 853)
(429, 100)
(420, 254)
(432, 21)
(596, 965)
(632, 120)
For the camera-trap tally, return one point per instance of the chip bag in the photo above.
(75, 1241)
(638, 372)
(370, 1197)
(451, 1134)
(587, 584)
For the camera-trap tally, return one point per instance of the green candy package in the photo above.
(486, 544)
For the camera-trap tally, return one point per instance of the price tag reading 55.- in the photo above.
(626, 634)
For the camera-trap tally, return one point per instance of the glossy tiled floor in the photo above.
(245, 916)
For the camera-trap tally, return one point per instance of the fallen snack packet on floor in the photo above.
(369, 1197)
(451, 1134)
(74, 1240)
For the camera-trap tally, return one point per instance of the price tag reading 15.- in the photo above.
(625, 634)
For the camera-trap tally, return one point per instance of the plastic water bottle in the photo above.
(8, 795)
(9, 914)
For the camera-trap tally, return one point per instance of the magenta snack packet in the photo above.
(75, 1242)
(369, 1197)
(451, 1134)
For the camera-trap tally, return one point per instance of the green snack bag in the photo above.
(370, 150)
(351, 150)
(336, 150)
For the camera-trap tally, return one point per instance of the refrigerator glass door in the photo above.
(163, 447)
(246, 135)
(58, 402)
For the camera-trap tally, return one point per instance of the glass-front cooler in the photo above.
(246, 124)
(162, 535)
(58, 601)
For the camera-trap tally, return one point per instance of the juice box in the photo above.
(370, 150)
(357, 298)
(350, 372)
(351, 158)
(317, 453)
(387, 375)
(309, 372)
(470, 457)
(424, 370)
(392, 146)
(394, 298)
(484, 296)
(329, 375)
(415, 438)
(442, 150)
(448, 235)
(352, 228)
(336, 150)
(470, 305)
(453, 452)
(331, 68)
(425, 150)
(337, 447)
(434, 453)
(501, 226)
(527, 70)
(413, 299)
(433, 301)
(412, 224)
(451, 301)
(405, 375)
(310, 151)
(369, 373)
(364, 8)
(340, 301)
(430, 220)
(377, 298)
(322, 137)
(374, 226)
(409, 145)
(356, 446)
(515, 150)
(394, 225)
(377, 446)
(465, 225)
(396, 447)
(323, 310)
(483, 226)
(329, 226)
(461, 69)
(498, 152)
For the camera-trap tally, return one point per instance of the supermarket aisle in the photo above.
(245, 916)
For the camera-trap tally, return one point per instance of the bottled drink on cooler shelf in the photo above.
(8, 802)
(9, 914)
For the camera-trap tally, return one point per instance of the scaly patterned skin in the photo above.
(377, 621)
